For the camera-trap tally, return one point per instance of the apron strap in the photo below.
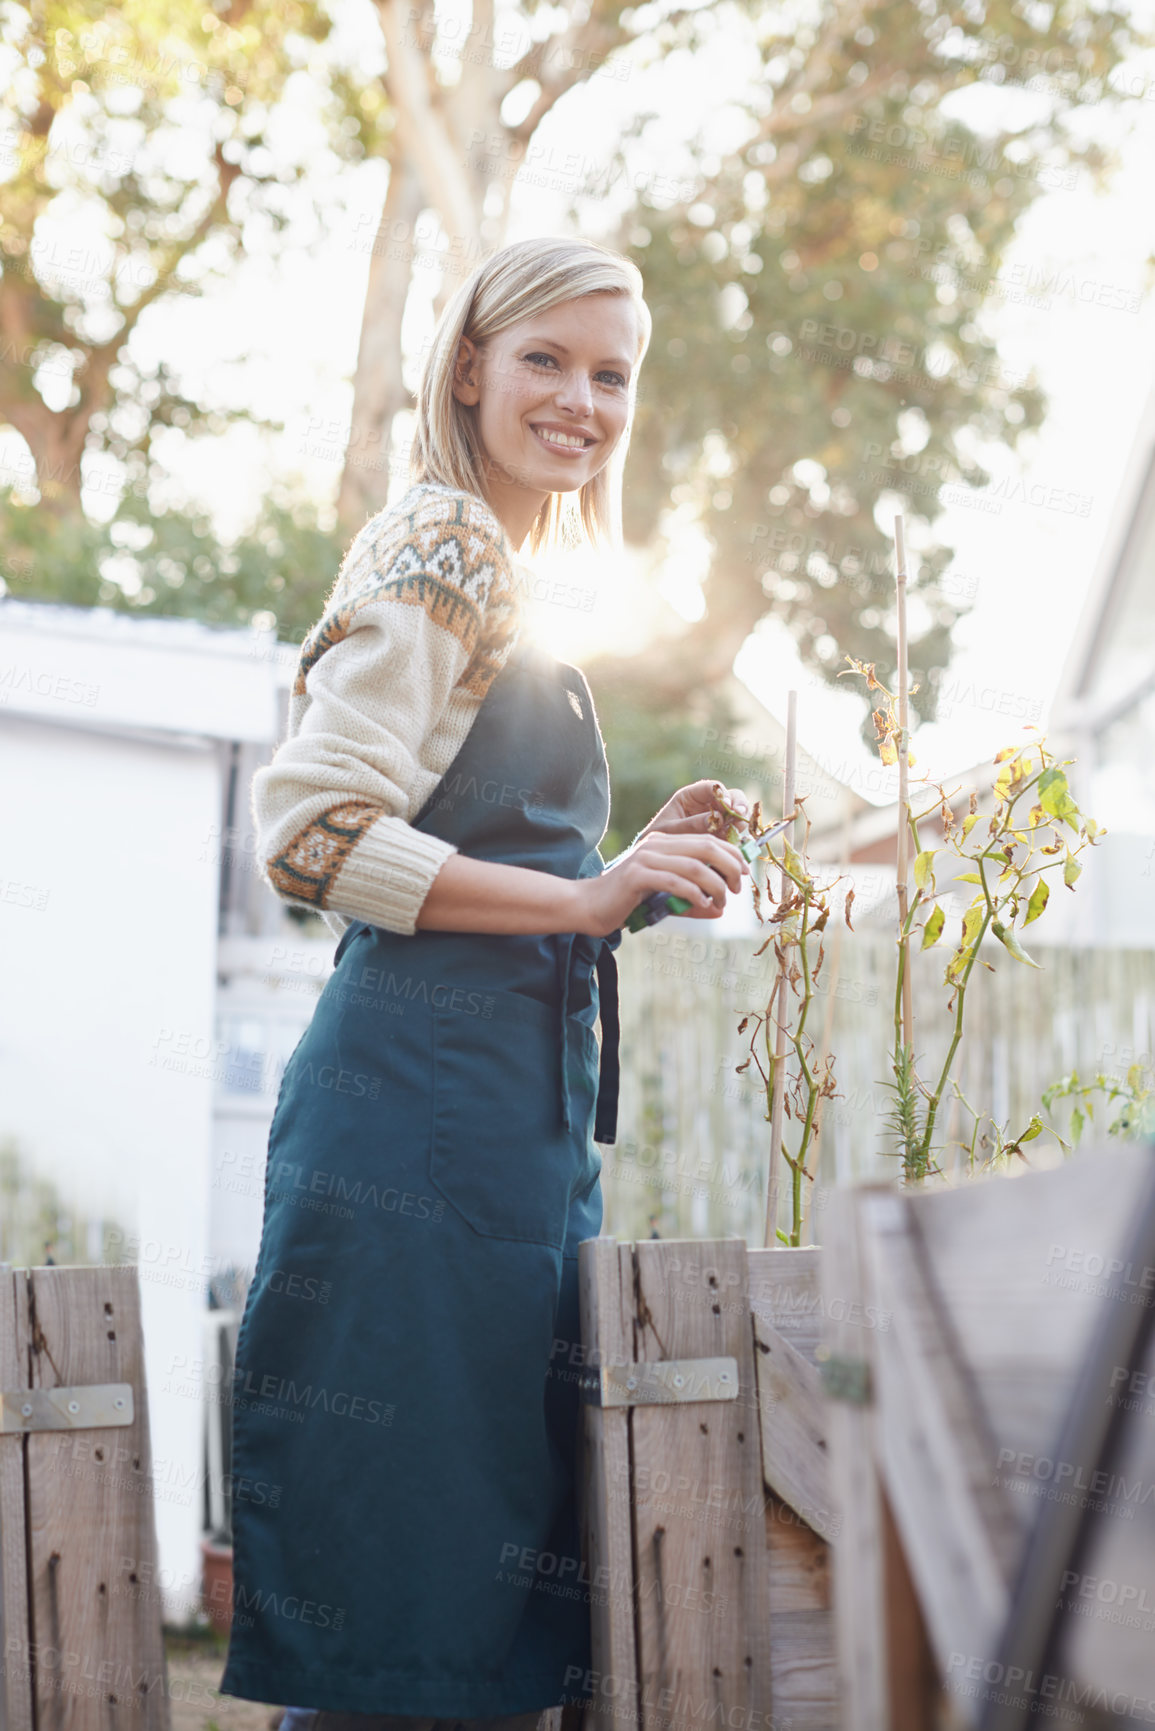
(606, 1115)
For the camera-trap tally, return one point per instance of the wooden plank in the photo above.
(786, 1294)
(1021, 1266)
(860, 1622)
(15, 1664)
(703, 1634)
(913, 1684)
(792, 1408)
(802, 1660)
(800, 1574)
(605, 1276)
(100, 1657)
(959, 1532)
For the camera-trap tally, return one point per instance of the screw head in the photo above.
(74, 1406)
(26, 1409)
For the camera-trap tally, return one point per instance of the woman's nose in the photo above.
(574, 392)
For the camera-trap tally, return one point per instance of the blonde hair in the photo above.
(517, 282)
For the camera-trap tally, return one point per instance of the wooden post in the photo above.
(677, 1506)
(780, 993)
(15, 1642)
(903, 861)
(81, 1608)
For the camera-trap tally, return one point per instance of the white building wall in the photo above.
(107, 1037)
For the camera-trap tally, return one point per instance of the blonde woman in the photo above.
(405, 1396)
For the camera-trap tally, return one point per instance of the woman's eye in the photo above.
(535, 358)
(614, 378)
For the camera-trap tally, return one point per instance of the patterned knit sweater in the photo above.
(421, 620)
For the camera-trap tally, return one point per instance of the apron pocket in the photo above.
(498, 1152)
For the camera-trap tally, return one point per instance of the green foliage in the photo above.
(816, 332)
(1131, 1094)
(651, 747)
(1011, 857)
(275, 576)
(136, 139)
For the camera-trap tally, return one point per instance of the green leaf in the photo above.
(924, 868)
(1072, 871)
(968, 878)
(932, 931)
(1034, 1128)
(1077, 1122)
(1009, 942)
(1055, 798)
(1040, 895)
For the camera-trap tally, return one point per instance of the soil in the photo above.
(195, 1664)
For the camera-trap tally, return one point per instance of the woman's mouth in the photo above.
(565, 444)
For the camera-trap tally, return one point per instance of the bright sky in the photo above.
(284, 340)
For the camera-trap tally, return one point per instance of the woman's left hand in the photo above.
(693, 811)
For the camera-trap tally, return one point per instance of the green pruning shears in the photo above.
(663, 902)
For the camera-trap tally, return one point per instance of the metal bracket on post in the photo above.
(668, 1382)
(92, 1406)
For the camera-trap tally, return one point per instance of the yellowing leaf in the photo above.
(968, 878)
(972, 920)
(924, 868)
(1007, 751)
(1072, 871)
(932, 931)
(887, 752)
(969, 823)
(1039, 898)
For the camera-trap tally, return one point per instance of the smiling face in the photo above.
(551, 396)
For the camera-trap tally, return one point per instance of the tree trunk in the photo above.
(378, 388)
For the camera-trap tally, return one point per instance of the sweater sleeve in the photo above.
(410, 620)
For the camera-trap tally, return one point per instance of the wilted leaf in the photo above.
(932, 931)
(1009, 942)
(924, 868)
(846, 909)
(1007, 751)
(887, 752)
(793, 864)
(1072, 871)
(1039, 898)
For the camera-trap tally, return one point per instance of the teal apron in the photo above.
(406, 1389)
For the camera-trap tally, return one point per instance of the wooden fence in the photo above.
(693, 1141)
(905, 1482)
(707, 1506)
(80, 1607)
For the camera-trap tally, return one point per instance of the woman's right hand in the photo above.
(699, 868)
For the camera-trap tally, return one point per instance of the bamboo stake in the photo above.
(903, 860)
(779, 996)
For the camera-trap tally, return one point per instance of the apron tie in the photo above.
(565, 951)
(609, 1073)
(609, 1069)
